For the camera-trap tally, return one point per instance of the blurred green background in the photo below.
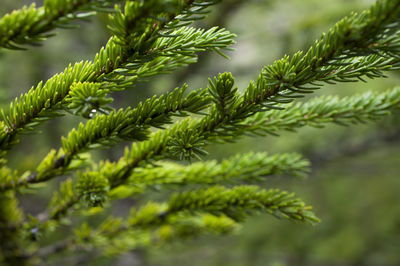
(354, 184)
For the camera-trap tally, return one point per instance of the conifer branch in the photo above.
(31, 25)
(149, 38)
(327, 109)
(216, 128)
(92, 188)
(112, 65)
(189, 227)
(235, 203)
(362, 45)
(316, 112)
(61, 202)
(247, 167)
(198, 208)
(128, 124)
(251, 102)
(119, 233)
(133, 124)
(119, 236)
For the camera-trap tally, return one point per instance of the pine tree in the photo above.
(155, 37)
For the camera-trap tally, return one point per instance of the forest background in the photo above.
(354, 182)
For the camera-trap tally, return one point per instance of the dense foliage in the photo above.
(151, 38)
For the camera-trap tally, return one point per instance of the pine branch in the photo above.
(106, 130)
(358, 46)
(315, 112)
(188, 214)
(61, 202)
(152, 37)
(113, 237)
(215, 128)
(119, 234)
(110, 70)
(128, 124)
(320, 111)
(247, 167)
(31, 25)
(133, 124)
(93, 188)
(140, 154)
(236, 203)
(251, 102)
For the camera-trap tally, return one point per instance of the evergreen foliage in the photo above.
(155, 37)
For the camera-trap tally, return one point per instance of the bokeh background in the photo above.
(355, 180)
